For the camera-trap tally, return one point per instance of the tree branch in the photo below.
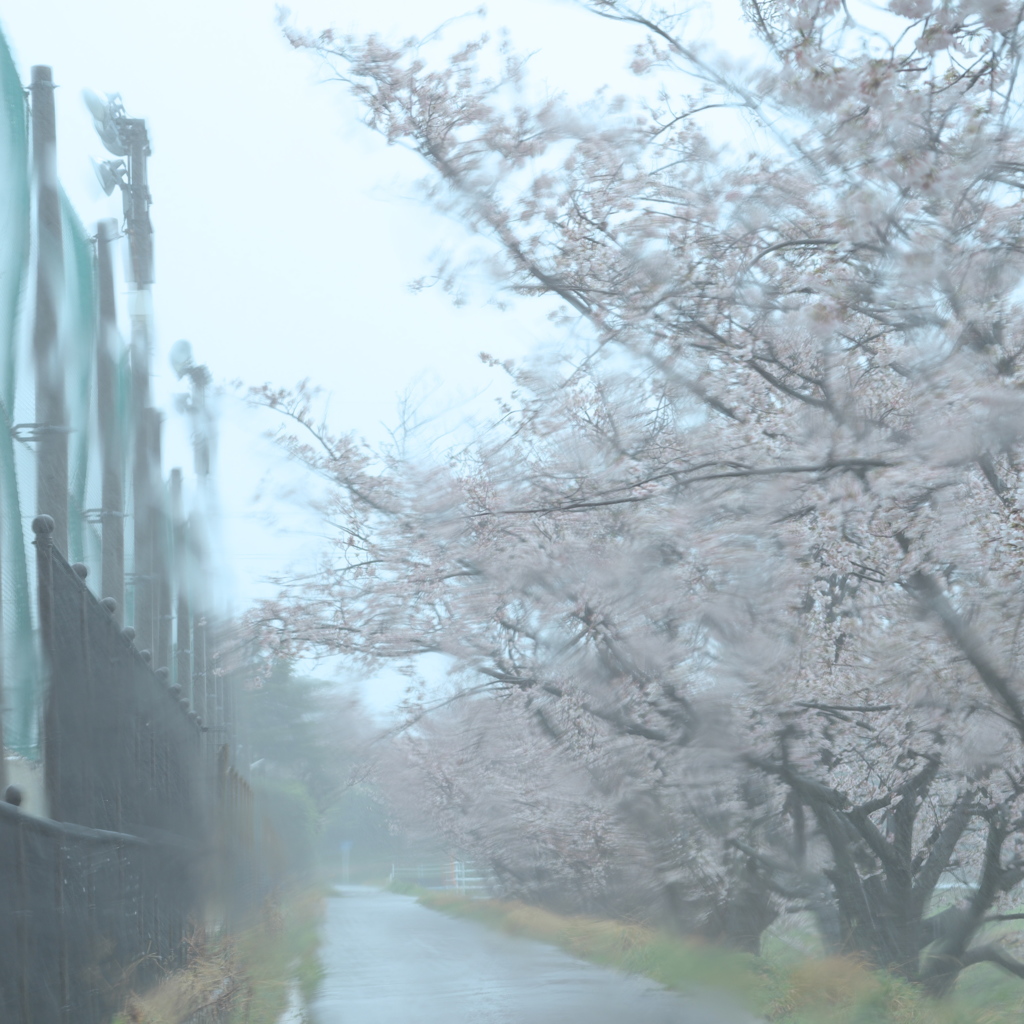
(931, 597)
(850, 465)
(993, 954)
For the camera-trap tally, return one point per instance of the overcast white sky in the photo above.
(286, 233)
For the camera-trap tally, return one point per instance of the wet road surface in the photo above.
(389, 960)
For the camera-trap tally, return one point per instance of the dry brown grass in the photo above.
(831, 980)
(210, 977)
(248, 978)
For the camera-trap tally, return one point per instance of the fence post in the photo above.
(3, 748)
(64, 981)
(22, 918)
(42, 527)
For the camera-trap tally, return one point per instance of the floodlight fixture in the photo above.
(97, 107)
(126, 137)
(181, 357)
(111, 174)
(184, 365)
(107, 115)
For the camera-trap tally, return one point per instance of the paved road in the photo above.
(389, 960)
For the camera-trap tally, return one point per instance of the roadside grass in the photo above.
(209, 978)
(784, 984)
(280, 952)
(251, 973)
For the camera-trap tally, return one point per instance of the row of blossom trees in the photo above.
(734, 598)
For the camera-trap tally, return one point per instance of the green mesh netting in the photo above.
(19, 657)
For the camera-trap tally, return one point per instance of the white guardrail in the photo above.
(452, 876)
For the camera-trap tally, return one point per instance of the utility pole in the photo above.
(145, 475)
(126, 137)
(111, 436)
(50, 428)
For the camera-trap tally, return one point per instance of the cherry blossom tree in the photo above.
(570, 815)
(770, 521)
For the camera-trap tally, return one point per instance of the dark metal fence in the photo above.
(123, 750)
(152, 831)
(154, 834)
(82, 912)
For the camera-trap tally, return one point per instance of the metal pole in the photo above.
(160, 589)
(50, 415)
(143, 490)
(183, 651)
(137, 199)
(200, 691)
(111, 439)
(126, 137)
(146, 475)
(3, 749)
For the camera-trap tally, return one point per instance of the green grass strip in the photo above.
(778, 986)
(252, 973)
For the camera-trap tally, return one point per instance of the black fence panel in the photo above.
(123, 750)
(108, 891)
(82, 913)
(153, 833)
